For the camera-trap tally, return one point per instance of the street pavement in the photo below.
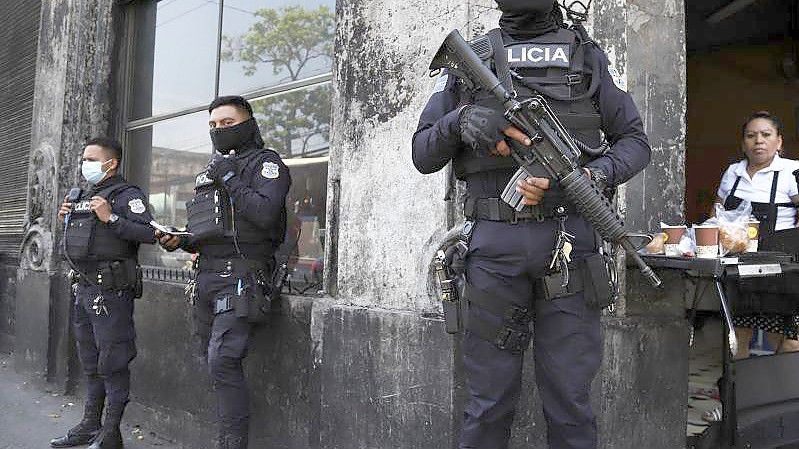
(30, 416)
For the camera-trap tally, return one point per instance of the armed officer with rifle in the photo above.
(104, 226)
(532, 233)
(237, 219)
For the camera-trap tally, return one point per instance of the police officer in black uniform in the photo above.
(238, 219)
(510, 253)
(104, 228)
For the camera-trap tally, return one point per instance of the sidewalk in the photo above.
(30, 417)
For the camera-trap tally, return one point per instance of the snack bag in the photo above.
(733, 224)
(687, 245)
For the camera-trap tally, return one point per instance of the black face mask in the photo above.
(242, 136)
(527, 18)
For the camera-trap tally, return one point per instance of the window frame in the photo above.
(126, 54)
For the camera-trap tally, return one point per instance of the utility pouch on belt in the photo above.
(589, 276)
(120, 275)
(259, 304)
(599, 291)
(250, 302)
(449, 267)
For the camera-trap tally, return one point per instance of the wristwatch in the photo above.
(113, 218)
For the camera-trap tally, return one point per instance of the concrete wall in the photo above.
(71, 103)
(321, 376)
(8, 274)
(645, 40)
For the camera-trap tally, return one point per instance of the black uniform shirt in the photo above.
(437, 138)
(130, 205)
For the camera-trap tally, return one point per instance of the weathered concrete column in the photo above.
(376, 345)
(645, 40)
(71, 103)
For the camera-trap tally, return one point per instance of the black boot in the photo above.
(86, 430)
(110, 436)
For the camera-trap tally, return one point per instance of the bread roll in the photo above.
(733, 239)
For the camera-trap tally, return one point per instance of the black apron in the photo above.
(766, 213)
(768, 295)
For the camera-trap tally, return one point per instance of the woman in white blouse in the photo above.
(769, 182)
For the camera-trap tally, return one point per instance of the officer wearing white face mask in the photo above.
(103, 229)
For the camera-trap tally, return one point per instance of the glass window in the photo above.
(175, 58)
(164, 160)
(276, 53)
(296, 124)
(268, 42)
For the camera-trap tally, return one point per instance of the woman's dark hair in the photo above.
(766, 115)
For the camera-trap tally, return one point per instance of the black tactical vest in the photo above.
(89, 239)
(553, 65)
(209, 212)
(211, 217)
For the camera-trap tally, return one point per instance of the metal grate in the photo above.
(19, 32)
(163, 274)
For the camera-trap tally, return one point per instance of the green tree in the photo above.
(291, 40)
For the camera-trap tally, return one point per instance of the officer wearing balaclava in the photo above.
(237, 219)
(509, 280)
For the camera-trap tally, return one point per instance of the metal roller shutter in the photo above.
(19, 35)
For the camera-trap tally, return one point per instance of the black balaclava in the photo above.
(241, 137)
(527, 18)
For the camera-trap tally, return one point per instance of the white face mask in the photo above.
(92, 171)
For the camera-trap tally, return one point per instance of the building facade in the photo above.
(357, 356)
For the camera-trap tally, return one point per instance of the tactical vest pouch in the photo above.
(78, 237)
(259, 305)
(206, 215)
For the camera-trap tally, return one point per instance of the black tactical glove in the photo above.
(481, 127)
(221, 168)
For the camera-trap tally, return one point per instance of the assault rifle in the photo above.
(553, 147)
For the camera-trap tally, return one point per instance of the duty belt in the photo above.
(494, 209)
(95, 270)
(231, 265)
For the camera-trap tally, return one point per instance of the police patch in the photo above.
(202, 180)
(136, 206)
(83, 206)
(270, 170)
(441, 83)
(538, 55)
